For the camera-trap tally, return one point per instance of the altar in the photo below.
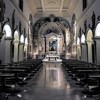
(52, 58)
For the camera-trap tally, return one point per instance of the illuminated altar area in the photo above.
(53, 48)
(52, 58)
(53, 37)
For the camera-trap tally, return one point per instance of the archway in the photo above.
(8, 46)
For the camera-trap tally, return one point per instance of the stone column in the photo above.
(16, 44)
(31, 50)
(7, 57)
(26, 50)
(97, 40)
(58, 46)
(89, 44)
(21, 52)
(83, 52)
(78, 52)
(47, 45)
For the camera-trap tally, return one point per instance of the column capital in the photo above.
(96, 38)
(22, 44)
(16, 42)
(8, 38)
(89, 41)
(83, 43)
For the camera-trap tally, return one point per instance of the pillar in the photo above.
(7, 57)
(16, 43)
(21, 52)
(78, 52)
(89, 45)
(58, 46)
(83, 52)
(97, 40)
(26, 50)
(47, 45)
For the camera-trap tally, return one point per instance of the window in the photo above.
(21, 4)
(84, 4)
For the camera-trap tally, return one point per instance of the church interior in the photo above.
(49, 49)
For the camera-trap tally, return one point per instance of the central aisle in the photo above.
(51, 83)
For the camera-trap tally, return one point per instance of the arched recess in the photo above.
(8, 43)
(16, 45)
(90, 45)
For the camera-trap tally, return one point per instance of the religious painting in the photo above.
(53, 45)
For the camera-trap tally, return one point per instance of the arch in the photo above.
(49, 26)
(97, 30)
(16, 35)
(83, 38)
(7, 30)
(45, 20)
(89, 35)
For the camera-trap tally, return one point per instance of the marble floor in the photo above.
(51, 83)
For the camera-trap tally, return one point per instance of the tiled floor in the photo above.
(51, 83)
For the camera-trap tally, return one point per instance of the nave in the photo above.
(52, 82)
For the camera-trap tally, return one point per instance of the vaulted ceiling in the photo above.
(52, 6)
